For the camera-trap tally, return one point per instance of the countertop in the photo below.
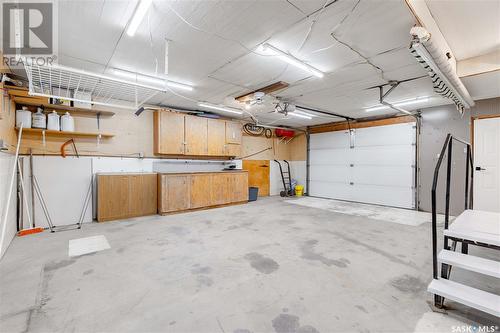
(167, 173)
(124, 173)
(198, 172)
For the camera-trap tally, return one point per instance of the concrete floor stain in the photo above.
(288, 323)
(309, 253)
(262, 264)
(409, 284)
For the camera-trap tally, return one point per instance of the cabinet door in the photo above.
(200, 190)
(143, 195)
(239, 187)
(112, 197)
(216, 137)
(168, 133)
(221, 193)
(177, 192)
(162, 193)
(196, 135)
(233, 150)
(233, 132)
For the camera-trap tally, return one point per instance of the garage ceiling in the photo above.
(212, 42)
(478, 30)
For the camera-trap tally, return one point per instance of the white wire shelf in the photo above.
(69, 83)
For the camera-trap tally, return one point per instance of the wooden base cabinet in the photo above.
(121, 195)
(201, 190)
(173, 193)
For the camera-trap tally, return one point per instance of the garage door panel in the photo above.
(330, 173)
(323, 189)
(389, 155)
(384, 195)
(330, 156)
(329, 140)
(379, 169)
(382, 175)
(399, 134)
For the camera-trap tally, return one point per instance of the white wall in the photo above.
(6, 165)
(297, 169)
(64, 182)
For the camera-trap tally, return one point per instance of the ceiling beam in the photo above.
(479, 65)
(266, 90)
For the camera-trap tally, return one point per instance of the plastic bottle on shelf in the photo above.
(39, 120)
(53, 121)
(67, 123)
(23, 116)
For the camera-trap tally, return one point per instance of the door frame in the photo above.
(348, 126)
(474, 118)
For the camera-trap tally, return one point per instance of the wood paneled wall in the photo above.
(7, 121)
(271, 149)
(298, 148)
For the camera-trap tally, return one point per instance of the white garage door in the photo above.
(373, 165)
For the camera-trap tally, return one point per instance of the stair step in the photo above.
(475, 298)
(476, 226)
(471, 263)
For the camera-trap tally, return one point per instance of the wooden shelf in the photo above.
(81, 112)
(64, 134)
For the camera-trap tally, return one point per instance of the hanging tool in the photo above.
(63, 152)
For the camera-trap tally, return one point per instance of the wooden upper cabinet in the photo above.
(196, 133)
(232, 149)
(179, 134)
(216, 137)
(168, 131)
(233, 132)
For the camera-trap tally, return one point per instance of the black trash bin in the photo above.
(253, 193)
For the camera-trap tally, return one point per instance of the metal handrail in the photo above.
(468, 204)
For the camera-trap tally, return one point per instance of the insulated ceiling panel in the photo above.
(209, 48)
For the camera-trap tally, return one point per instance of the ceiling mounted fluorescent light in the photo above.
(293, 61)
(153, 80)
(140, 11)
(298, 115)
(398, 104)
(219, 108)
(304, 113)
(183, 86)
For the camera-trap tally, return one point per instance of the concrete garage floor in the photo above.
(267, 266)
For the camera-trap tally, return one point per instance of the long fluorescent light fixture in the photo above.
(299, 115)
(219, 108)
(298, 108)
(402, 103)
(140, 11)
(153, 80)
(293, 61)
